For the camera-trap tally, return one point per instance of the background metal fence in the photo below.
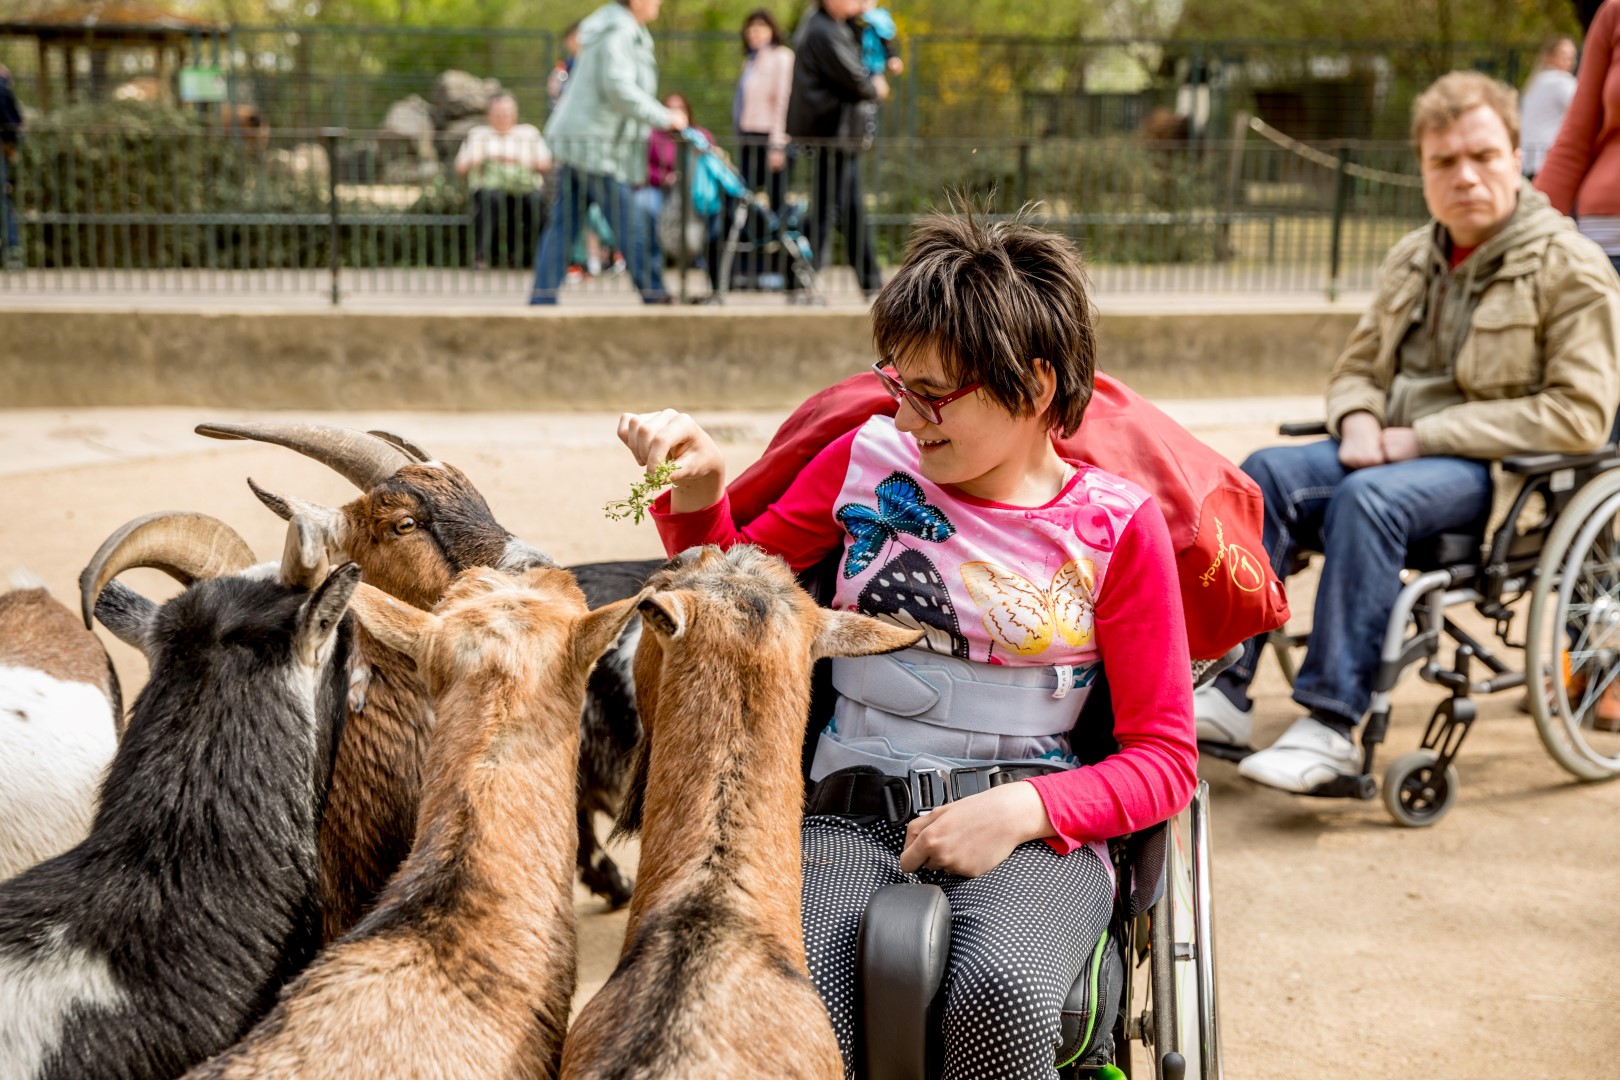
(319, 76)
(320, 214)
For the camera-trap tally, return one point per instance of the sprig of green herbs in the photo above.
(642, 493)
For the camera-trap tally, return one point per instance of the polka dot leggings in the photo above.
(1020, 935)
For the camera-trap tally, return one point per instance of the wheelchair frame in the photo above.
(902, 960)
(1578, 493)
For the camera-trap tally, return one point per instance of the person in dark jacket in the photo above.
(830, 81)
(11, 123)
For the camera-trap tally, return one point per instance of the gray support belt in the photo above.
(936, 689)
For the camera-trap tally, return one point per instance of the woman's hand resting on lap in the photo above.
(972, 836)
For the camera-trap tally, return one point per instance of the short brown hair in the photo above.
(990, 297)
(1438, 107)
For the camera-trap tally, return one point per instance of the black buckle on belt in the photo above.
(865, 794)
(930, 789)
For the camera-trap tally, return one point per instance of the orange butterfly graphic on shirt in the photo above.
(1025, 617)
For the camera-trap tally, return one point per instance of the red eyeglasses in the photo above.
(927, 407)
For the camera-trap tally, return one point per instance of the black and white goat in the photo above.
(60, 716)
(164, 935)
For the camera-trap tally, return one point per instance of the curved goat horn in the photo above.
(393, 438)
(185, 545)
(363, 460)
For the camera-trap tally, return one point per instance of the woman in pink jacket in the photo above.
(759, 110)
(1581, 175)
(759, 115)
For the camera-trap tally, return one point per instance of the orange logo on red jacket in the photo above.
(1247, 572)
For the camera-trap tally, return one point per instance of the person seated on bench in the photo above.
(505, 164)
(1026, 572)
(1493, 332)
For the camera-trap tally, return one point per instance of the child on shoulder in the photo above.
(1029, 575)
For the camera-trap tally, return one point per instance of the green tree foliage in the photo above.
(1481, 21)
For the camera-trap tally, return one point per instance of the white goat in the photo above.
(60, 717)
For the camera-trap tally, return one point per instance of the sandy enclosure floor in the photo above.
(1347, 947)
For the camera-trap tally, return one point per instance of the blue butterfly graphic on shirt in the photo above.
(901, 508)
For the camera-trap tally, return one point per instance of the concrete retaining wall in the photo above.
(694, 358)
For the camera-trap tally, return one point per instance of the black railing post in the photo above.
(334, 253)
(1341, 197)
(1021, 180)
(683, 188)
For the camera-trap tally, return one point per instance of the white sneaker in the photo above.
(1220, 721)
(1309, 755)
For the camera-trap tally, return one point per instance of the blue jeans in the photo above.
(577, 190)
(650, 204)
(8, 209)
(1362, 522)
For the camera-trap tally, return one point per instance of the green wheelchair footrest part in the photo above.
(1109, 1072)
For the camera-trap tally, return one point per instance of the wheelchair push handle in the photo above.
(1303, 428)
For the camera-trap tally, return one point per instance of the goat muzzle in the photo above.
(186, 545)
(360, 458)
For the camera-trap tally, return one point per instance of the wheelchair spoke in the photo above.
(1592, 695)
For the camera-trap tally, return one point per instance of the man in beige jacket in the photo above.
(1493, 332)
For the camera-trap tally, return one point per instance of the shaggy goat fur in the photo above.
(60, 716)
(412, 530)
(466, 966)
(713, 983)
(410, 534)
(166, 933)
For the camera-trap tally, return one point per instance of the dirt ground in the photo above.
(1348, 947)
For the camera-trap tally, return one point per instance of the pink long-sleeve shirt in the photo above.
(1097, 559)
(1582, 170)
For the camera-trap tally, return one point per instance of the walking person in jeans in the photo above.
(11, 124)
(599, 135)
(829, 83)
(1493, 332)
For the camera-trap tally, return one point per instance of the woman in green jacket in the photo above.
(599, 135)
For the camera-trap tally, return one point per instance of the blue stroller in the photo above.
(774, 235)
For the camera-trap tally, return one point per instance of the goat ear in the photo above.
(127, 613)
(844, 633)
(319, 617)
(598, 630)
(395, 623)
(665, 612)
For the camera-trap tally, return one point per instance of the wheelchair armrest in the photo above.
(1302, 428)
(1541, 464)
(900, 956)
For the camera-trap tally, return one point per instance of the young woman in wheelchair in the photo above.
(950, 763)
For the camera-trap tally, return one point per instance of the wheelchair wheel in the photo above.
(1196, 1020)
(1572, 651)
(1414, 794)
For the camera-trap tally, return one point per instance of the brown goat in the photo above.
(713, 981)
(416, 525)
(467, 965)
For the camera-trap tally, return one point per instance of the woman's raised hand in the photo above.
(668, 435)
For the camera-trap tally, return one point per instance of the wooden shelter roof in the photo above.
(106, 19)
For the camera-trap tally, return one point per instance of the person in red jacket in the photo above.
(1581, 175)
(1028, 574)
